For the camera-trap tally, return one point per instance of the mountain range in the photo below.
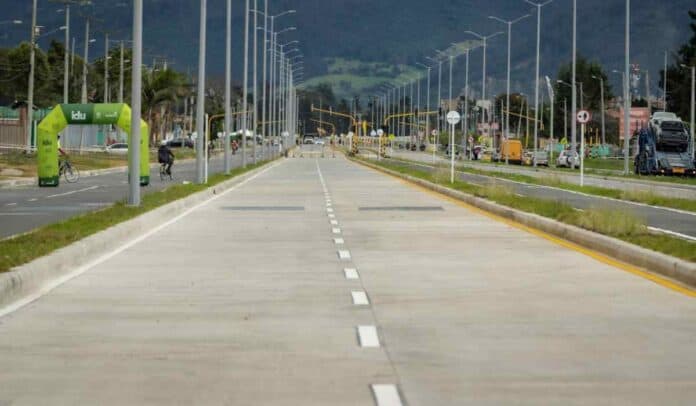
(348, 42)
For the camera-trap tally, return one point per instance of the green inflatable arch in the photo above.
(61, 116)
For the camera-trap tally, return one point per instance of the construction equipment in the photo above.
(663, 148)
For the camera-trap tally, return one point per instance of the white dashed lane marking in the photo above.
(360, 298)
(386, 395)
(351, 273)
(336, 230)
(344, 254)
(368, 336)
(339, 241)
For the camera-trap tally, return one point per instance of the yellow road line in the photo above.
(660, 280)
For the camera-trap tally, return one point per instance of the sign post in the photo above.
(435, 134)
(453, 118)
(584, 117)
(379, 133)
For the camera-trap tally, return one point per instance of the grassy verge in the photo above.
(613, 223)
(42, 241)
(555, 181)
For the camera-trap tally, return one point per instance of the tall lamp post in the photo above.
(509, 35)
(484, 116)
(601, 94)
(536, 79)
(627, 93)
(692, 145)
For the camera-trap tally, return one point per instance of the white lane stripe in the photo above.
(368, 336)
(339, 241)
(71, 193)
(332, 216)
(672, 233)
(351, 273)
(50, 285)
(336, 230)
(386, 395)
(334, 222)
(360, 298)
(11, 204)
(32, 200)
(330, 210)
(344, 254)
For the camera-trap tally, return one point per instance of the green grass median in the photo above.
(552, 180)
(609, 222)
(19, 250)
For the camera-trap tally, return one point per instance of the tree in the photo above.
(161, 91)
(678, 78)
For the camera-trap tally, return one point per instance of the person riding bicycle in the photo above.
(165, 156)
(235, 147)
(61, 152)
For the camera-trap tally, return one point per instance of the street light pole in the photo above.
(627, 94)
(574, 96)
(483, 87)
(601, 93)
(66, 68)
(255, 79)
(228, 84)
(120, 76)
(692, 145)
(85, 67)
(466, 105)
(509, 38)
(536, 79)
(106, 68)
(264, 134)
(32, 63)
(245, 85)
(136, 104)
(200, 105)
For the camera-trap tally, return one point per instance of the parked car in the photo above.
(542, 158)
(568, 159)
(319, 141)
(308, 141)
(117, 149)
(180, 143)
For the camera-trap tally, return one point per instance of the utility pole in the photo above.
(83, 99)
(228, 85)
(601, 92)
(466, 106)
(32, 62)
(120, 76)
(136, 92)
(200, 105)
(664, 99)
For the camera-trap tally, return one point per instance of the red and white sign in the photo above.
(584, 116)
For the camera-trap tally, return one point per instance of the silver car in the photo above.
(568, 159)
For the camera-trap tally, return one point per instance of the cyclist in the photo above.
(61, 152)
(165, 156)
(235, 146)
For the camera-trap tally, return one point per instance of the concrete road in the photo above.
(257, 299)
(678, 190)
(24, 208)
(670, 221)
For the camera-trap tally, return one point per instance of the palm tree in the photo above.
(161, 89)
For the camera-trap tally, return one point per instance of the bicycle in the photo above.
(67, 170)
(163, 172)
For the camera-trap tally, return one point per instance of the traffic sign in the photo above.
(434, 133)
(380, 132)
(373, 133)
(584, 116)
(453, 117)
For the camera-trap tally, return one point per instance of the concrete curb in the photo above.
(26, 280)
(665, 265)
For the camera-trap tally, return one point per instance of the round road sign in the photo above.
(584, 116)
(380, 132)
(453, 117)
(373, 133)
(434, 133)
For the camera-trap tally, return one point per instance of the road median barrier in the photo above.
(26, 282)
(654, 262)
